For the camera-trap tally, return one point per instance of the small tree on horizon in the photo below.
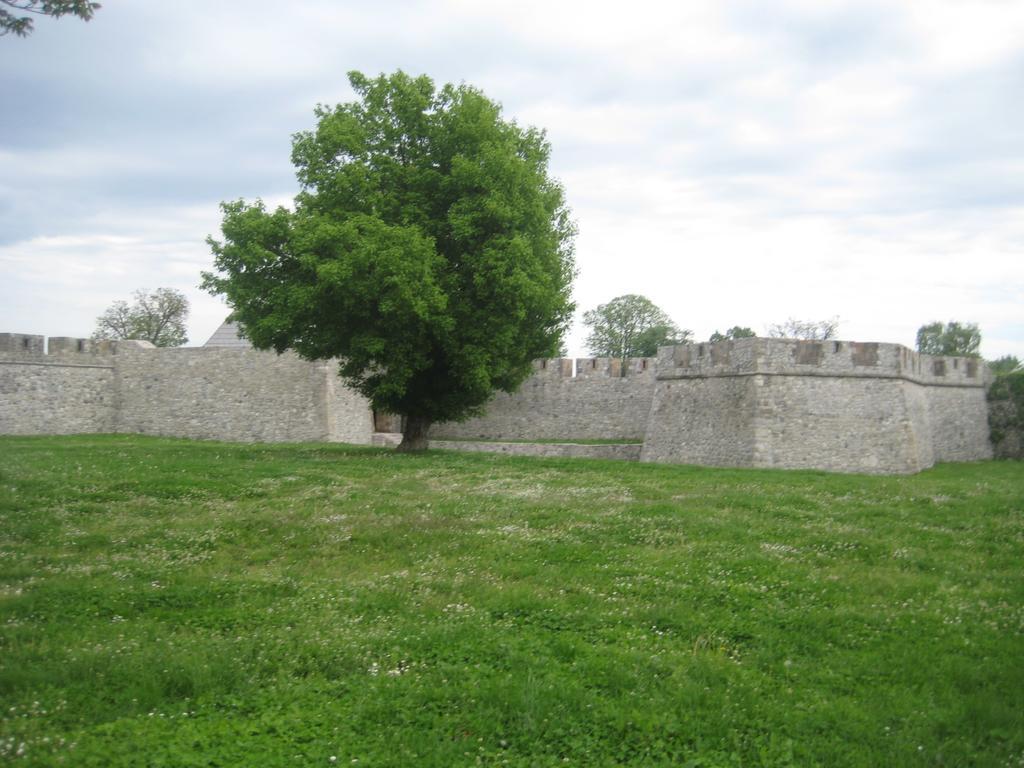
(630, 326)
(813, 330)
(952, 339)
(736, 332)
(1006, 364)
(158, 317)
(428, 249)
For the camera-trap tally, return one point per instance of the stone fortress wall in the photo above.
(603, 401)
(65, 392)
(79, 386)
(833, 405)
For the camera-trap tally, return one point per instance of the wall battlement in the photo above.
(607, 398)
(63, 349)
(594, 367)
(21, 345)
(836, 405)
(73, 385)
(63, 392)
(614, 368)
(833, 358)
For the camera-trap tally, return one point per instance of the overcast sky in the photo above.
(738, 163)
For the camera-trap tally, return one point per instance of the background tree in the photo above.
(953, 338)
(158, 317)
(736, 332)
(630, 326)
(428, 249)
(22, 25)
(1005, 364)
(805, 329)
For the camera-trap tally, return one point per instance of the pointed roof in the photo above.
(227, 336)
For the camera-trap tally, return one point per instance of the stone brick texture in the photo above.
(603, 401)
(244, 395)
(832, 405)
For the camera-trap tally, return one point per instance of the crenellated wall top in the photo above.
(596, 368)
(737, 357)
(34, 348)
(795, 357)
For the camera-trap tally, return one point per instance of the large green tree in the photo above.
(10, 23)
(428, 249)
(630, 326)
(953, 338)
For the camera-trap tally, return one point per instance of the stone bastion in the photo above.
(833, 405)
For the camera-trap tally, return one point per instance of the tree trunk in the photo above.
(414, 436)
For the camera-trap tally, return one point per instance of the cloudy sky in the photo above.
(737, 162)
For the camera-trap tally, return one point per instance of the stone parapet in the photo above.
(793, 357)
(16, 346)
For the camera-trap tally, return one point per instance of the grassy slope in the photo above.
(165, 602)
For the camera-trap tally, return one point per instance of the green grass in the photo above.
(173, 603)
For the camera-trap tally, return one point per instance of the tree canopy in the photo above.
(953, 338)
(22, 25)
(158, 317)
(428, 249)
(805, 329)
(630, 326)
(736, 332)
(1005, 364)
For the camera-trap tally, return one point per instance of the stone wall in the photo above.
(838, 424)
(349, 418)
(222, 394)
(702, 421)
(959, 423)
(41, 399)
(22, 346)
(841, 406)
(77, 385)
(71, 391)
(833, 405)
(604, 400)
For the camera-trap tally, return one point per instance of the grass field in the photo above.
(173, 603)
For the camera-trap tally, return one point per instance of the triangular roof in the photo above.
(227, 336)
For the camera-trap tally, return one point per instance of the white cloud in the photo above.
(954, 35)
(738, 163)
